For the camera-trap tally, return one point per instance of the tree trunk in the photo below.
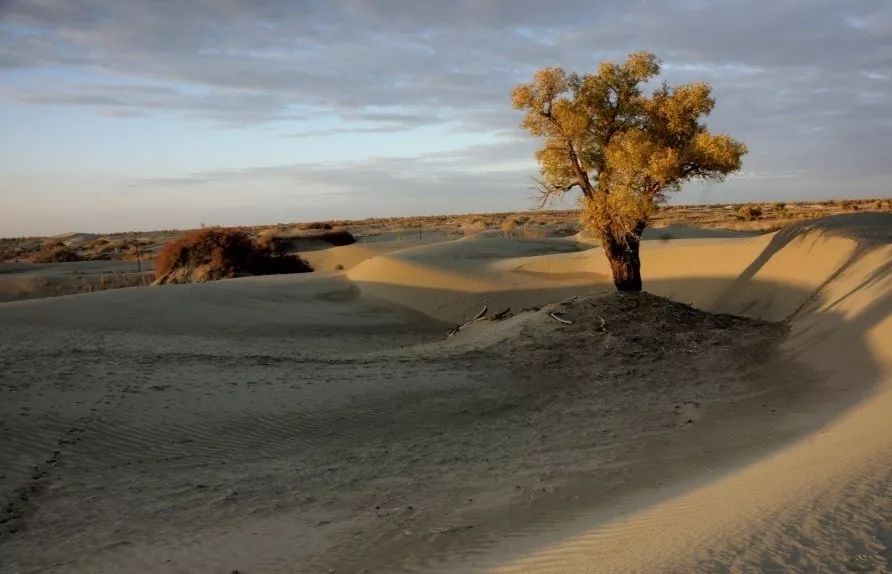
(625, 262)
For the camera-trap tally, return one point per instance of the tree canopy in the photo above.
(622, 149)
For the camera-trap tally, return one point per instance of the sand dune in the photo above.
(348, 256)
(821, 504)
(325, 422)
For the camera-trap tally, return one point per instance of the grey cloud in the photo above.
(801, 81)
(457, 57)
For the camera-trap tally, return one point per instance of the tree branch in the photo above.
(584, 184)
(547, 192)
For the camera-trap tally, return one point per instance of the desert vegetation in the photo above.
(296, 237)
(54, 252)
(751, 212)
(623, 150)
(219, 253)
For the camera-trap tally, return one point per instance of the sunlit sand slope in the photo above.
(823, 504)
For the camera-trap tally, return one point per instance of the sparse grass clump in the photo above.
(217, 253)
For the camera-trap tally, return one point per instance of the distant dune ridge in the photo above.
(130, 256)
(487, 403)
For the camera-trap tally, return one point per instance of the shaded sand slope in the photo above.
(324, 423)
(213, 453)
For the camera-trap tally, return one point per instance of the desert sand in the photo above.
(734, 419)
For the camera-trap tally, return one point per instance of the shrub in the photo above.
(335, 236)
(215, 253)
(750, 212)
(471, 226)
(509, 224)
(533, 230)
(291, 241)
(565, 230)
(54, 253)
(275, 246)
(316, 225)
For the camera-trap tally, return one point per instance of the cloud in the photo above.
(456, 61)
(805, 83)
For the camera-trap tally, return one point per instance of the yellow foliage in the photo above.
(624, 150)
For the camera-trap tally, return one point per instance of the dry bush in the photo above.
(565, 230)
(137, 251)
(749, 212)
(293, 240)
(54, 253)
(274, 245)
(317, 225)
(472, 226)
(509, 225)
(333, 236)
(533, 231)
(215, 253)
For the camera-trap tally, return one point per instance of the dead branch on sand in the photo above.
(562, 320)
(477, 317)
(500, 315)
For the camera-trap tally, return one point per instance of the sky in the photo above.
(163, 114)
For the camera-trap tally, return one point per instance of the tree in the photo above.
(623, 150)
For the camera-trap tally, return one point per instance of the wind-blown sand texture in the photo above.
(325, 422)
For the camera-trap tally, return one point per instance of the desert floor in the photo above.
(737, 418)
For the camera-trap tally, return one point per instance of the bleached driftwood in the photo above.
(477, 317)
(561, 319)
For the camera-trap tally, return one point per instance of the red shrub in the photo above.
(210, 254)
(54, 253)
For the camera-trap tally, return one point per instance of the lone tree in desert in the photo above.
(623, 150)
